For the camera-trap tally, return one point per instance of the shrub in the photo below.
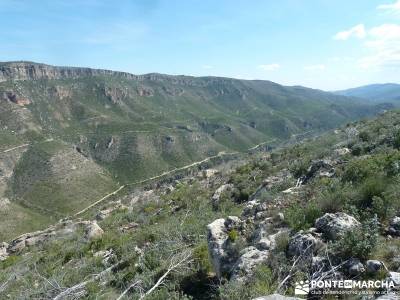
(373, 187)
(364, 136)
(233, 235)
(360, 242)
(201, 257)
(299, 218)
(396, 141)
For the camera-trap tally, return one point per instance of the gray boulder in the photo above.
(354, 267)
(251, 257)
(394, 226)
(93, 230)
(3, 251)
(374, 266)
(335, 225)
(215, 199)
(303, 244)
(218, 246)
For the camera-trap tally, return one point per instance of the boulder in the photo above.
(108, 257)
(303, 244)
(395, 278)
(342, 151)
(218, 192)
(218, 241)
(319, 168)
(354, 267)
(267, 241)
(105, 213)
(93, 230)
(245, 265)
(208, 173)
(30, 239)
(3, 251)
(374, 266)
(335, 225)
(394, 226)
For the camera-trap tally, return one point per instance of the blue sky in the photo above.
(326, 44)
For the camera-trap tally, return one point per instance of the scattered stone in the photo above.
(93, 230)
(354, 267)
(129, 227)
(209, 173)
(374, 266)
(219, 191)
(245, 265)
(3, 251)
(394, 226)
(108, 257)
(342, 151)
(335, 225)
(395, 278)
(319, 168)
(105, 213)
(303, 244)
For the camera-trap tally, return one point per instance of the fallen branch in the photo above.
(79, 288)
(128, 289)
(176, 262)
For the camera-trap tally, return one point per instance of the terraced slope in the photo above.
(68, 136)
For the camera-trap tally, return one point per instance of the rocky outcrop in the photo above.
(3, 251)
(63, 229)
(114, 94)
(218, 247)
(394, 226)
(319, 168)
(250, 258)
(269, 183)
(226, 261)
(13, 97)
(93, 230)
(35, 71)
(218, 192)
(354, 267)
(335, 225)
(374, 266)
(304, 243)
(114, 206)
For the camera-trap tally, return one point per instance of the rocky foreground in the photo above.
(323, 209)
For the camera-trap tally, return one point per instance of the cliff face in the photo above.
(33, 71)
(36, 71)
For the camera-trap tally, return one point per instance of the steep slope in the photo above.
(375, 92)
(326, 208)
(76, 134)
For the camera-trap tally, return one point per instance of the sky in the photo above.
(324, 44)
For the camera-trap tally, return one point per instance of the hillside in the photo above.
(69, 136)
(324, 208)
(375, 92)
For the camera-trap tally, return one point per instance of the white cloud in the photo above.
(394, 7)
(318, 67)
(383, 43)
(357, 31)
(270, 67)
(207, 67)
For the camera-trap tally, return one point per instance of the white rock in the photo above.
(335, 225)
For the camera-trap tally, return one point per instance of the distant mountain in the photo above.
(69, 136)
(374, 92)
